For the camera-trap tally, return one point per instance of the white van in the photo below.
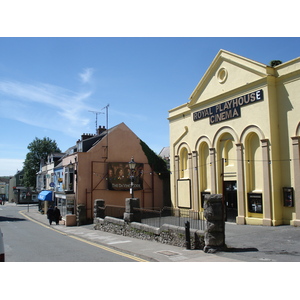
(2, 254)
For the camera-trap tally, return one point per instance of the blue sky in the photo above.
(49, 85)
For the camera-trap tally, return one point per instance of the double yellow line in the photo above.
(87, 242)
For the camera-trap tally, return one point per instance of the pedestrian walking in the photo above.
(56, 214)
(50, 214)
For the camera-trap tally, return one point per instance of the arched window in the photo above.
(254, 164)
(184, 163)
(227, 150)
(204, 167)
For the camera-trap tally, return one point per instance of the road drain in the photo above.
(168, 253)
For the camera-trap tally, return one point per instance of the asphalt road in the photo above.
(27, 241)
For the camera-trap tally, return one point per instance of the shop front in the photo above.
(45, 200)
(65, 203)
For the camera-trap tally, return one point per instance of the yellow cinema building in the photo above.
(239, 136)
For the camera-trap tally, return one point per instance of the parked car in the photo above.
(2, 253)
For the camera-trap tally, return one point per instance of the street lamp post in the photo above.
(132, 165)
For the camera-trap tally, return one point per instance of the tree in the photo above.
(274, 63)
(156, 162)
(39, 150)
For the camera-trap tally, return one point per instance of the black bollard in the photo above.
(187, 235)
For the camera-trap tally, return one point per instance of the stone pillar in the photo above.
(296, 160)
(130, 214)
(99, 208)
(214, 236)
(176, 177)
(81, 214)
(240, 185)
(267, 196)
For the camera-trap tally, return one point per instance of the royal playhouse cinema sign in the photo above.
(228, 110)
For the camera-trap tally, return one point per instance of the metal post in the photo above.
(27, 197)
(132, 178)
(187, 235)
(132, 166)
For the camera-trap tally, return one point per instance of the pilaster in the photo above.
(176, 177)
(195, 181)
(267, 195)
(212, 155)
(296, 161)
(240, 219)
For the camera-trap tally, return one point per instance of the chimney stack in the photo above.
(100, 130)
(86, 136)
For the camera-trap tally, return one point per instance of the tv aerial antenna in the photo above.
(106, 107)
(96, 113)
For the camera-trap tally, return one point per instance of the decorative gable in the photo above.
(227, 73)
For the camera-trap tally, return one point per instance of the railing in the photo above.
(158, 217)
(172, 216)
(113, 211)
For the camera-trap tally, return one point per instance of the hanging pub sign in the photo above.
(119, 176)
(228, 110)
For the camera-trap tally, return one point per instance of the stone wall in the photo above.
(166, 234)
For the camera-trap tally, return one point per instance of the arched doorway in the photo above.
(227, 170)
(254, 171)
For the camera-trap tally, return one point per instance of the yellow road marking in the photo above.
(86, 241)
(109, 249)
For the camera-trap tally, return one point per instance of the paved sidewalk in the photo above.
(246, 243)
(148, 250)
(263, 243)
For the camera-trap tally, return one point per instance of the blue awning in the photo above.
(45, 196)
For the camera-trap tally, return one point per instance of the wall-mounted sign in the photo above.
(255, 203)
(288, 196)
(119, 176)
(228, 110)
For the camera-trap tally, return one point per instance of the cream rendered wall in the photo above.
(253, 115)
(272, 121)
(288, 89)
(179, 134)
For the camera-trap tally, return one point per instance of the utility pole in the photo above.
(96, 113)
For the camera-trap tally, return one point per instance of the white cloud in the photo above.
(9, 167)
(45, 106)
(87, 74)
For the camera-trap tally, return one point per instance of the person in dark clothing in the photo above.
(50, 214)
(56, 215)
